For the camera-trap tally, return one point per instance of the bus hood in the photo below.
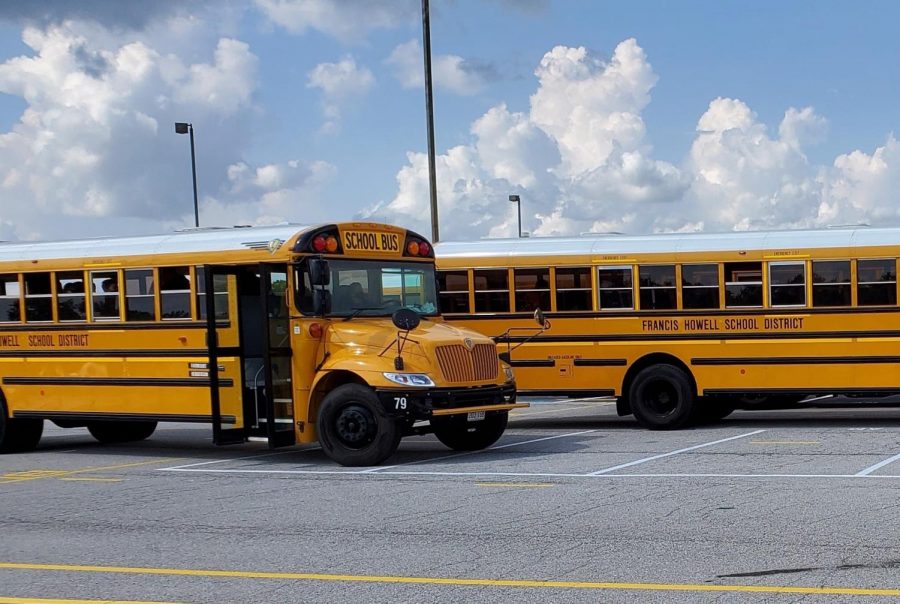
(381, 334)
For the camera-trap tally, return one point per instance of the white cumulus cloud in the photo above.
(341, 83)
(95, 151)
(451, 73)
(579, 158)
(347, 20)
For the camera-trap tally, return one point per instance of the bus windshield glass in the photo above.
(376, 288)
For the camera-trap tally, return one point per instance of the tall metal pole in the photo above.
(519, 207)
(194, 174)
(429, 110)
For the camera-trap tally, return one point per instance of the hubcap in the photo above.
(355, 426)
(662, 397)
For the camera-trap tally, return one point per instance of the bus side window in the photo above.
(453, 291)
(70, 296)
(614, 285)
(876, 282)
(175, 292)
(492, 290)
(657, 287)
(573, 289)
(743, 284)
(139, 302)
(105, 295)
(787, 283)
(220, 287)
(831, 283)
(10, 295)
(38, 299)
(700, 286)
(532, 289)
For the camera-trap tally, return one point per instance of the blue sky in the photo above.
(636, 117)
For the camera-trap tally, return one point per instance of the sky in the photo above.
(633, 117)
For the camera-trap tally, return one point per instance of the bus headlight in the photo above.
(410, 379)
(510, 375)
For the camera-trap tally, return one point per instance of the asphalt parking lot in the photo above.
(573, 504)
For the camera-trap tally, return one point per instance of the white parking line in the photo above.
(443, 457)
(880, 464)
(523, 474)
(207, 463)
(661, 455)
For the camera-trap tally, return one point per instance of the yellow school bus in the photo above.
(291, 334)
(682, 327)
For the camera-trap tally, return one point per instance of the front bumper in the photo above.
(421, 403)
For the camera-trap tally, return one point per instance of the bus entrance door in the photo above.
(279, 399)
(225, 356)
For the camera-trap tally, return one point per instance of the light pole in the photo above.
(429, 111)
(186, 128)
(515, 199)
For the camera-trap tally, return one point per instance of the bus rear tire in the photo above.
(111, 432)
(662, 398)
(710, 409)
(459, 434)
(354, 429)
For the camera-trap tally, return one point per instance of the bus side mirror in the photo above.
(319, 275)
(540, 319)
(405, 319)
(321, 302)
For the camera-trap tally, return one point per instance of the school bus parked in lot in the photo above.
(292, 334)
(681, 327)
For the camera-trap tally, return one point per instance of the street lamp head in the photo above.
(181, 127)
(514, 198)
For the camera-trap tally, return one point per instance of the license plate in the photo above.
(475, 416)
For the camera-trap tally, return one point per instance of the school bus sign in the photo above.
(377, 242)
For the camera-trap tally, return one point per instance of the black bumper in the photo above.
(421, 403)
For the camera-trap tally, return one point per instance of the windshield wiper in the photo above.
(360, 309)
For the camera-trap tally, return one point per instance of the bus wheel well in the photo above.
(623, 406)
(328, 383)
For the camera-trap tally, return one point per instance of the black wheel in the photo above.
(711, 409)
(109, 432)
(18, 435)
(459, 434)
(662, 398)
(354, 429)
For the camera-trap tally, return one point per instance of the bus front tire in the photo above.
(459, 434)
(354, 429)
(111, 432)
(662, 398)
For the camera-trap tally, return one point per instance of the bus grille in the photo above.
(459, 364)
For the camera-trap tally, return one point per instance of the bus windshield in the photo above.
(376, 288)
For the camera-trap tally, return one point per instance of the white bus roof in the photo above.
(597, 244)
(180, 242)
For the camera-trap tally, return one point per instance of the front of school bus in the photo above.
(379, 359)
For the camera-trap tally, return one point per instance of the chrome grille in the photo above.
(459, 364)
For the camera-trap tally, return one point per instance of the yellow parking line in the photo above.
(39, 474)
(5, 600)
(514, 484)
(586, 585)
